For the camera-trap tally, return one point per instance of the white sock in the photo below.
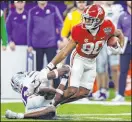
(116, 93)
(20, 115)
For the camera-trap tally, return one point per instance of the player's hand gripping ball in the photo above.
(112, 42)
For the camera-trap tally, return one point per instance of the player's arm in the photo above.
(63, 53)
(50, 92)
(60, 56)
(35, 85)
(57, 59)
(118, 33)
(58, 72)
(117, 49)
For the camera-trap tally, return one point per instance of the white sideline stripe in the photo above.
(123, 114)
(104, 119)
(94, 118)
(87, 117)
(90, 116)
(82, 101)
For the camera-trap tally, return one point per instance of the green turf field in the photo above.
(86, 112)
(81, 112)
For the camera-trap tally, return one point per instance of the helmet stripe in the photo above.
(88, 9)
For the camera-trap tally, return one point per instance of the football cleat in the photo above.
(10, 115)
(13, 115)
(102, 97)
(118, 98)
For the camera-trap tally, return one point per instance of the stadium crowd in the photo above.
(45, 26)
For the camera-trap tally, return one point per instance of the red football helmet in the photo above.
(93, 16)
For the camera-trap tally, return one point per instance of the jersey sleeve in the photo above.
(74, 34)
(112, 28)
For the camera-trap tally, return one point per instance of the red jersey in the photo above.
(89, 45)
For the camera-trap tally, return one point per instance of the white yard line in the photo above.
(89, 116)
(122, 114)
(79, 115)
(104, 119)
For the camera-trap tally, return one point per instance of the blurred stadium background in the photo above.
(21, 60)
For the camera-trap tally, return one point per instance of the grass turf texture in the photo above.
(80, 112)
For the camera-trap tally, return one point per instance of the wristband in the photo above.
(51, 66)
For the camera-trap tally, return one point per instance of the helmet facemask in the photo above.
(90, 22)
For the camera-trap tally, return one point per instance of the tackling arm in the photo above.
(35, 85)
(52, 75)
(58, 72)
(57, 59)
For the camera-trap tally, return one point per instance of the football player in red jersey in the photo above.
(88, 39)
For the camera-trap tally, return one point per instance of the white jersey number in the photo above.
(91, 48)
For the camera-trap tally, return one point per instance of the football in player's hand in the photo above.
(113, 41)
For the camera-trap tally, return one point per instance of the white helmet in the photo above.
(17, 81)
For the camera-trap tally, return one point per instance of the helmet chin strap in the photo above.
(94, 28)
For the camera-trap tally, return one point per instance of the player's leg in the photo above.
(36, 107)
(86, 82)
(44, 113)
(102, 75)
(114, 63)
(61, 87)
(81, 93)
(124, 66)
(75, 77)
(85, 74)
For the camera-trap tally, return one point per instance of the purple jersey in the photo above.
(124, 24)
(26, 84)
(42, 26)
(17, 27)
